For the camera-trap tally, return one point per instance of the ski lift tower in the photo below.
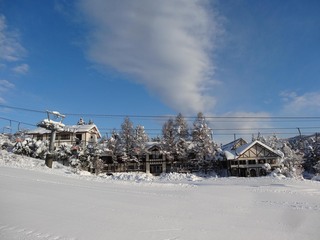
(54, 126)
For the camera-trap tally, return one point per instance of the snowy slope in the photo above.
(41, 203)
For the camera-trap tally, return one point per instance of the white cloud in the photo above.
(307, 103)
(5, 85)
(165, 45)
(242, 124)
(10, 48)
(21, 69)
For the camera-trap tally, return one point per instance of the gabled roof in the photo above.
(69, 128)
(151, 145)
(235, 153)
(234, 144)
(82, 128)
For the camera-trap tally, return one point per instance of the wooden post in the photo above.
(52, 140)
(49, 157)
(147, 164)
(164, 164)
(49, 160)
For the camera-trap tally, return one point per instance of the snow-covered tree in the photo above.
(168, 139)
(127, 136)
(140, 140)
(6, 142)
(292, 161)
(156, 139)
(272, 141)
(40, 149)
(317, 167)
(113, 145)
(181, 137)
(181, 128)
(31, 147)
(203, 145)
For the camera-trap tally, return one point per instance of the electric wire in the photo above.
(286, 118)
(212, 119)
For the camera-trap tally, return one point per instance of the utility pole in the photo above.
(300, 140)
(235, 151)
(53, 126)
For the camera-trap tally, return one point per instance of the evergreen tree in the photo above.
(113, 144)
(140, 140)
(292, 161)
(168, 138)
(156, 139)
(203, 144)
(181, 137)
(127, 135)
(181, 128)
(312, 155)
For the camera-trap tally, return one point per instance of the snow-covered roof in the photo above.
(68, 128)
(150, 145)
(235, 153)
(38, 130)
(233, 144)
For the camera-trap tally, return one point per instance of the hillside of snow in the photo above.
(41, 203)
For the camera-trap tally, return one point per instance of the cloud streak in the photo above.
(21, 69)
(164, 45)
(306, 104)
(10, 48)
(5, 85)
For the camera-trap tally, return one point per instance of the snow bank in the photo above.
(179, 177)
(131, 176)
(19, 161)
(316, 178)
(9, 159)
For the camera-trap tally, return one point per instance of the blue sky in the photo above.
(225, 58)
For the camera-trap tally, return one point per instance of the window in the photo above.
(242, 162)
(78, 138)
(155, 154)
(252, 162)
(65, 137)
(262, 161)
(234, 162)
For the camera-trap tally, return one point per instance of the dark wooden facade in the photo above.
(251, 159)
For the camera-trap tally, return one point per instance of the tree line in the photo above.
(178, 142)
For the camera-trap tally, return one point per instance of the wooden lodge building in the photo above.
(250, 159)
(79, 134)
(239, 157)
(152, 161)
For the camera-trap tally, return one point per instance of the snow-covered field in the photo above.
(41, 203)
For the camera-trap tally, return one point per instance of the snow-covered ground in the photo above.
(41, 203)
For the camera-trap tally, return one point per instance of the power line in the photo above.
(246, 118)
(22, 109)
(238, 131)
(11, 120)
(217, 119)
(228, 129)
